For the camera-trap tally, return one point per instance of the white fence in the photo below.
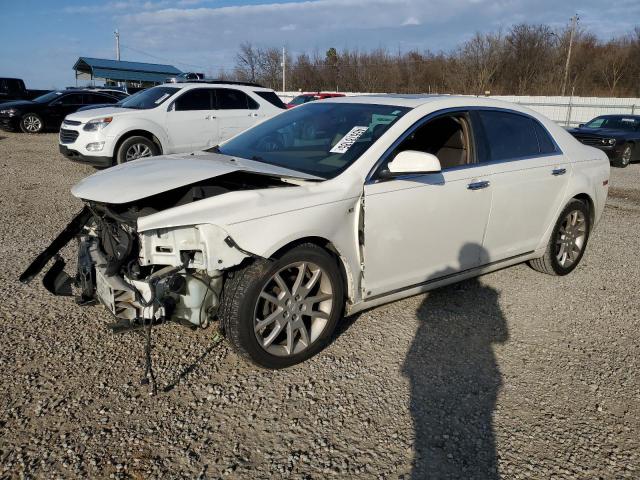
(569, 111)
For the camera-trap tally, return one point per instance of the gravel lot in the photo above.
(514, 375)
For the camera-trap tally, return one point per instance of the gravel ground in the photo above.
(514, 375)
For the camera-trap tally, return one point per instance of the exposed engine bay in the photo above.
(144, 277)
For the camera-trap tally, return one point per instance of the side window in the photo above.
(544, 140)
(509, 135)
(92, 98)
(196, 99)
(447, 137)
(71, 99)
(229, 99)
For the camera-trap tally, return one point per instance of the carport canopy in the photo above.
(122, 71)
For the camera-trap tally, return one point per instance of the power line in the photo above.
(142, 52)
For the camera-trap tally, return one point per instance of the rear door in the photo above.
(529, 175)
(190, 120)
(236, 112)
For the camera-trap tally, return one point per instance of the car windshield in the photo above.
(321, 139)
(300, 99)
(47, 97)
(614, 123)
(150, 98)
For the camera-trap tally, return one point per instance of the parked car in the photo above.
(185, 77)
(616, 135)
(169, 118)
(283, 229)
(119, 93)
(15, 89)
(103, 105)
(47, 111)
(311, 97)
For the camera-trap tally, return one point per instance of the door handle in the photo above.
(558, 171)
(253, 114)
(478, 185)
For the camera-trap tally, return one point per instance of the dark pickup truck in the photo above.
(14, 89)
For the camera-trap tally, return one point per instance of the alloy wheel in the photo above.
(626, 155)
(293, 309)
(571, 238)
(137, 150)
(32, 123)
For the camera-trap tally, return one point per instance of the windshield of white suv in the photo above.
(150, 98)
(321, 139)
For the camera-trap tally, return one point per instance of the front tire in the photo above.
(624, 159)
(136, 147)
(568, 241)
(277, 313)
(31, 123)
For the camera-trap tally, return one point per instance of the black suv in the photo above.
(48, 111)
(617, 135)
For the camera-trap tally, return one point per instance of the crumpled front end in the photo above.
(173, 274)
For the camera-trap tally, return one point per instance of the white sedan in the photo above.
(326, 210)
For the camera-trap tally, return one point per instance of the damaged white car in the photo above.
(326, 210)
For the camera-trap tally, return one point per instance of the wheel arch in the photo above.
(134, 133)
(586, 199)
(329, 247)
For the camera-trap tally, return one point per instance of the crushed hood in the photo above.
(149, 176)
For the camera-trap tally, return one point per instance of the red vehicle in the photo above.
(311, 97)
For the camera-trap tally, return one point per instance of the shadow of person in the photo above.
(454, 379)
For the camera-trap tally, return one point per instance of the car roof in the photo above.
(619, 115)
(417, 100)
(218, 84)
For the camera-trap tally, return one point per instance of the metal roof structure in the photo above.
(122, 71)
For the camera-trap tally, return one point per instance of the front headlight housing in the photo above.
(609, 141)
(9, 111)
(97, 124)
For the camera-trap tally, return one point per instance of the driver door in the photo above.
(423, 227)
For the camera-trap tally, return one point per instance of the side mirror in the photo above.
(581, 125)
(412, 162)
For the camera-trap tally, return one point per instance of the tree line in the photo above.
(524, 60)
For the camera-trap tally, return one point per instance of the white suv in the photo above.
(170, 118)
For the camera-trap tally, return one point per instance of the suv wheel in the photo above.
(136, 147)
(568, 241)
(279, 313)
(31, 123)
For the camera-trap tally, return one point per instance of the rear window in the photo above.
(545, 142)
(509, 135)
(272, 98)
(230, 99)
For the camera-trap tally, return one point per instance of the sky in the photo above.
(40, 40)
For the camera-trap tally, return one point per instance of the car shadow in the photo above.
(455, 380)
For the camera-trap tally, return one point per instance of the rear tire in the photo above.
(31, 123)
(277, 313)
(624, 159)
(136, 147)
(568, 241)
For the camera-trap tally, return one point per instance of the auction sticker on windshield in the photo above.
(348, 140)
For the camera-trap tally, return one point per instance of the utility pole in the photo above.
(117, 34)
(284, 67)
(574, 24)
